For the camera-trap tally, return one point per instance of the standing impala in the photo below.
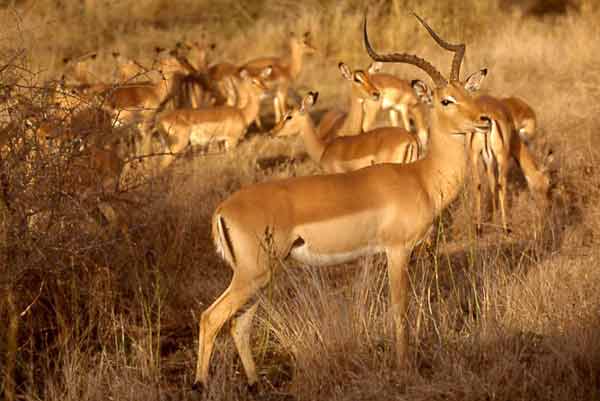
(347, 153)
(341, 123)
(285, 70)
(397, 98)
(200, 127)
(331, 219)
(523, 117)
(495, 149)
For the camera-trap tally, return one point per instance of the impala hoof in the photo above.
(253, 388)
(198, 387)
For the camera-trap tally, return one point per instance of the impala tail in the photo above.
(221, 239)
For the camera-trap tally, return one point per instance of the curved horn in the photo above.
(458, 49)
(426, 66)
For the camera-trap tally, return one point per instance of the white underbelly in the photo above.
(209, 132)
(305, 254)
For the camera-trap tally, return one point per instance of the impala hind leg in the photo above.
(502, 163)
(280, 104)
(474, 155)
(240, 331)
(490, 165)
(234, 297)
(398, 277)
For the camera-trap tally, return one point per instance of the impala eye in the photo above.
(446, 102)
(288, 117)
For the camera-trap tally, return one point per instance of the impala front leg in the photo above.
(397, 258)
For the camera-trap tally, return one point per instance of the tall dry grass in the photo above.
(91, 312)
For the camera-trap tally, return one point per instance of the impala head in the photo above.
(170, 65)
(361, 83)
(303, 43)
(196, 52)
(293, 120)
(78, 68)
(453, 106)
(256, 83)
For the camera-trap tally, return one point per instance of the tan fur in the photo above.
(495, 147)
(285, 70)
(347, 153)
(181, 127)
(397, 98)
(523, 117)
(336, 123)
(334, 218)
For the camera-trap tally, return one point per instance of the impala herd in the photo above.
(382, 188)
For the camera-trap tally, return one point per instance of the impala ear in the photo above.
(308, 101)
(422, 91)
(266, 73)
(244, 73)
(345, 70)
(375, 67)
(473, 83)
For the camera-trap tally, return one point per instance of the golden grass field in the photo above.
(89, 312)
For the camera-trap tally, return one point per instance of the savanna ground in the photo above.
(94, 313)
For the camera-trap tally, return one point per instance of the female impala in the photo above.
(523, 117)
(341, 123)
(181, 127)
(329, 219)
(397, 98)
(347, 153)
(495, 149)
(285, 70)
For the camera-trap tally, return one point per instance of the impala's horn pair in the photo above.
(436, 76)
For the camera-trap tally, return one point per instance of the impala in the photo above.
(397, 97)
(136, 103)
(523, 117)
(495, 149)
(181, 127)
(285, 70)
(340, 123)
(329, 219)
(78, 68)
(347, 153)
(128, 70)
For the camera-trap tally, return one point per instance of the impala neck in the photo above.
(166, 85)
(252, 107)
(444, 166)
(315, 146)
(354, 120)
(421, 127)
(295, 62)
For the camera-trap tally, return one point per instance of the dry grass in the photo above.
(93, 313)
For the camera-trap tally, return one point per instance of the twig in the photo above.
(22, 314)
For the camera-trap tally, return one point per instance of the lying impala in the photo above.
(285, 70)
(397, 98)
(329, 219)
(200, 127)
(347, 153)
